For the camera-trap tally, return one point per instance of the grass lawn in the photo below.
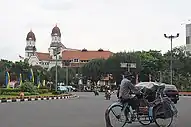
(9, 96)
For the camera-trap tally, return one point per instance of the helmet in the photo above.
(128, 75)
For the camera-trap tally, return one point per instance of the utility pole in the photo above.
(171, 37)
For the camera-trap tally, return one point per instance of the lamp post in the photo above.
(171, 37)
(67, 64)
(67, 75)
(56, 52)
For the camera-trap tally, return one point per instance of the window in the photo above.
(76, 60)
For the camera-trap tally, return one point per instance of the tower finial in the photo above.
(31, 30)
(56, 24)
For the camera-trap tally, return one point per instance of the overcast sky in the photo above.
(116, 25)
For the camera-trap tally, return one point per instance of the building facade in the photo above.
(67, 57)
(188, 37)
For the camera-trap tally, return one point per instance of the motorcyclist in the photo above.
(96, 91)
(126, 89)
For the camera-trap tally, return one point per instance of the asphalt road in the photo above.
(87, 111)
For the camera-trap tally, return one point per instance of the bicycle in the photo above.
(161, 108)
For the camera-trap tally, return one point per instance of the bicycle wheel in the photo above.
(144, 119)
(163, 116)
(116, 116)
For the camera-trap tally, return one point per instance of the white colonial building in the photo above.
(67, 56)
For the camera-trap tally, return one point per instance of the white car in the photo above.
(63, 88)
(70, 88)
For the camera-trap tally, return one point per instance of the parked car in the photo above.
(170, 90)
(62, 89)
(70, 88)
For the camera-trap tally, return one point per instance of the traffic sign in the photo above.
(132, 65)
(123, 65)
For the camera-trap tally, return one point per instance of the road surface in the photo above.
(87, 111)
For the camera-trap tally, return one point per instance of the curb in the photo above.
(184, 94)
(37, 98)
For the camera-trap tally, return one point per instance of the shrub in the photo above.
(4, 91)
(34, 93)
(43, 87)
(11, 93)
(42, 91)
(27, 94)
(56, 92)
(28, 87)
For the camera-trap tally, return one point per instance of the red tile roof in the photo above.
(43, 56)
(81, 55)
(85, 55)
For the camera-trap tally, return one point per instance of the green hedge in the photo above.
(185, 90)
(16, 93)
(11, 93)
(3, 91)
(56, 92)
(43, 91)
(43, 87)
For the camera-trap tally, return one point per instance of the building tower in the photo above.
(30, 48)
(56, 41)
(188, 37)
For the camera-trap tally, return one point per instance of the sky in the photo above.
(115, 25)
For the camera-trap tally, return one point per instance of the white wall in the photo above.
(53, 63)
(33, 60)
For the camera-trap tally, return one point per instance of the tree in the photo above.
(151, 63)
(112, 64)
(94, 70)
(181, 66)
(62, 74)
(52, 73)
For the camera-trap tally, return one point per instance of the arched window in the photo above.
(59, 39)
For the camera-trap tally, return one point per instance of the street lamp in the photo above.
(56, 52)
(171, 37)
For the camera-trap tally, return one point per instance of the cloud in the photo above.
(38, 25)
(56, 5)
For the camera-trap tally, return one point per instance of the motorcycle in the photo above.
(96, 93)
(108, 95)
